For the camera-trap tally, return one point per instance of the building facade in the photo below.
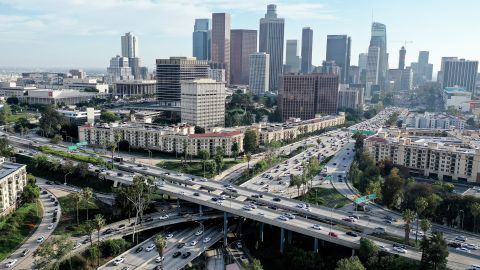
(203, 103)
(243, 43)
(292, 61)
(338, 50)
(221, 41)
(351, 97)
(373, 70)
(307, 47)
(460, 73)
(201, 39)
(259, 73)
(379, 39)
(422, 70)
(135, 88)
(13, 178)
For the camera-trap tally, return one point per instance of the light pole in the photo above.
(65, 180)
(463, 216)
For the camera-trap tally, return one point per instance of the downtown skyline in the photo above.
(73, 39)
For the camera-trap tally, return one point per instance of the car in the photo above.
(25, 252)
(11, 263)
(454, 244)
(475, 267)
(163, 217)
(186, 255)
(121, 226)
(380, 230)
(119, 260)
(471, 246)
(159, 259)
(169, 236)
(289, 216)
(400, 249)
(138, 250)
(50, 226)
(193, 243)
(333, 234)
(196, 194)
(176, 254)
(317, 227)
(283, 218)
(463, 249)
(180, 245)
(350, 233)
(126, 268)
(77, 245)
(384, 248)
(199, 232)
(150, 247)
(214, 199)
(461, 238)
(399, 245)
(276, 199)
(86, 240)
(206, 239)
(40, 239)
(107, 231)
(246, 208)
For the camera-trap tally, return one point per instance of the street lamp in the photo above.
(65, 180)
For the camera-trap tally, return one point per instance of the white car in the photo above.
(150, 248)
(159, 259)
(471, 246)
(119, 260)
(400, 249)
(50, 226)
(283, 218)
(475, 267)
(384, 248)
(193, 243)
(207, 239)
(170, 235)
(199, 233)
(11, 263)
(462, 249)
(40, 239)
(317, 227)
(461, 238)
(246, 208)
(261, 214)
(163, 217)
(77, 245)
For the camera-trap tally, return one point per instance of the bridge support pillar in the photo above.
(178, 203)
(289, 237)
(115, 183)
(315, 245)
(200, 210)
(353, 252)
(261, 232)
(282, 239)
(225, 228)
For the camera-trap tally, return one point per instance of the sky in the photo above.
(86, 33)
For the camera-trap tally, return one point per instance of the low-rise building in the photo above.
(13, 178)
(82, 84)
(433, 121)
(80, 117)
(457, 97)
(136, 88)
(59, 96)
(10, 89)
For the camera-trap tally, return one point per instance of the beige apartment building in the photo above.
(13, 178)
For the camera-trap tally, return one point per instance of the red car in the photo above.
(332, 234)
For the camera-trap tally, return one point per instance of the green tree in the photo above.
(89, 228)
(420, 206)
(49, 254)
(392, 188)
(425, 226)
(81, 169)
(6, 150)
(30, 193)
(436, 252)
(475, 211)
(12, 100)
(51, 121)
(77, 198)
(351, 263)
(87, 195)
(205, 156)
(161, 244)
(57, 138)
(249, 158)
(408, 216)
(219, 159)
(452, 110)
(5, 114)
(250, 141)
(235, 150)
(255, 265)
(367, 250)
(99, 222)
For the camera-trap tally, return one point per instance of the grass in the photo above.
(68, 220)
(16, 227)
(326, 196)
(15, 116)
(88, 159)
(194, 167)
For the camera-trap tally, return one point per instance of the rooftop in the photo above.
(7, 168)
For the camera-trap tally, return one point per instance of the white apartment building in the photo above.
(259, 73)
(13, 178)
(439, 157)
(433, 121)
(203, 103)
(457, 97)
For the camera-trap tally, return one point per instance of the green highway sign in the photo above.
(372, 196)
(360, 199)
(82, 143)
(73, 147)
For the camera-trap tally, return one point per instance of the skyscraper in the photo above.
(373, 70)
(307, 45)
(461, 73)
(129, 45)
(292, 63)
(442, 67)
(201, 39)
(362, 67)
(338, 50)
(401, 58)
(243, 43)
(171, 72)
(271, 42)
(422, 70)
(259, 73)
(379, 39)
(221, 41)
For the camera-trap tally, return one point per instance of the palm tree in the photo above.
(425, 225)
(87, 196)
(408, 216)
(161, 244)
(420, 205)
(99, 222)
(77, 198)
(249, 158)
(89, 228)
(205, 155)
(475, 210)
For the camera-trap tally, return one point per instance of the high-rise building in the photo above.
(305, 95)
(201, 39)
(171, 72)
(329, 67)
(129, 45)
(351, 97)
(203, 103)
(362, 67)
(292, 61)
(259, 73)
(221, 41)
(460, 73)
(338, 50)
(442, 67)
(271, 42)
(379, 40)
(242, 44)
(422, 70)
(353, 75)
(373, 67)
(401, 58)
(307, 46)
(119, 69)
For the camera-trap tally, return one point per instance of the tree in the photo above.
(425, 226)
(475, 211)
(436, 251)
(408, 216)
(219, 158)
(205, 156)
(108, 117)
(51, 121)
(235, 150)
(57, 138)
(199, 130)
(99, 222)
(89, 228)
(68, 168)
(77, 198)
(30, 193)
(420, 206)
(81, 169)
(255, 265)
(351, 263)
(87, 195)
(12, 100)
(367, 250)
(161, 244)
(249, 158)
(5, 114)
(471, 122)
(250, 141)
(49, 254)
(452, 110)
(6, 150)
(392, 188)
(296, 180)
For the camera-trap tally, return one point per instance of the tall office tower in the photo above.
(201, 39)
(271, 42)
(203, 103)
(307, 45)
(129, 45)
(329, 67)
(379, 39)
(353, 75)
(170, 72)
(292, 61)
(422, 70)
(259, 73)
(460, 73)
(373, 70)
(442, 67)
(305, 95)
(119, 69)
(362, 66)
(401, 58)
(338, 50)
(221, 41)
(242, 44)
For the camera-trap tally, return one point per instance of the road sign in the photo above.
(72, 147)
(372, 196)
(360, 199)
(82, 143)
